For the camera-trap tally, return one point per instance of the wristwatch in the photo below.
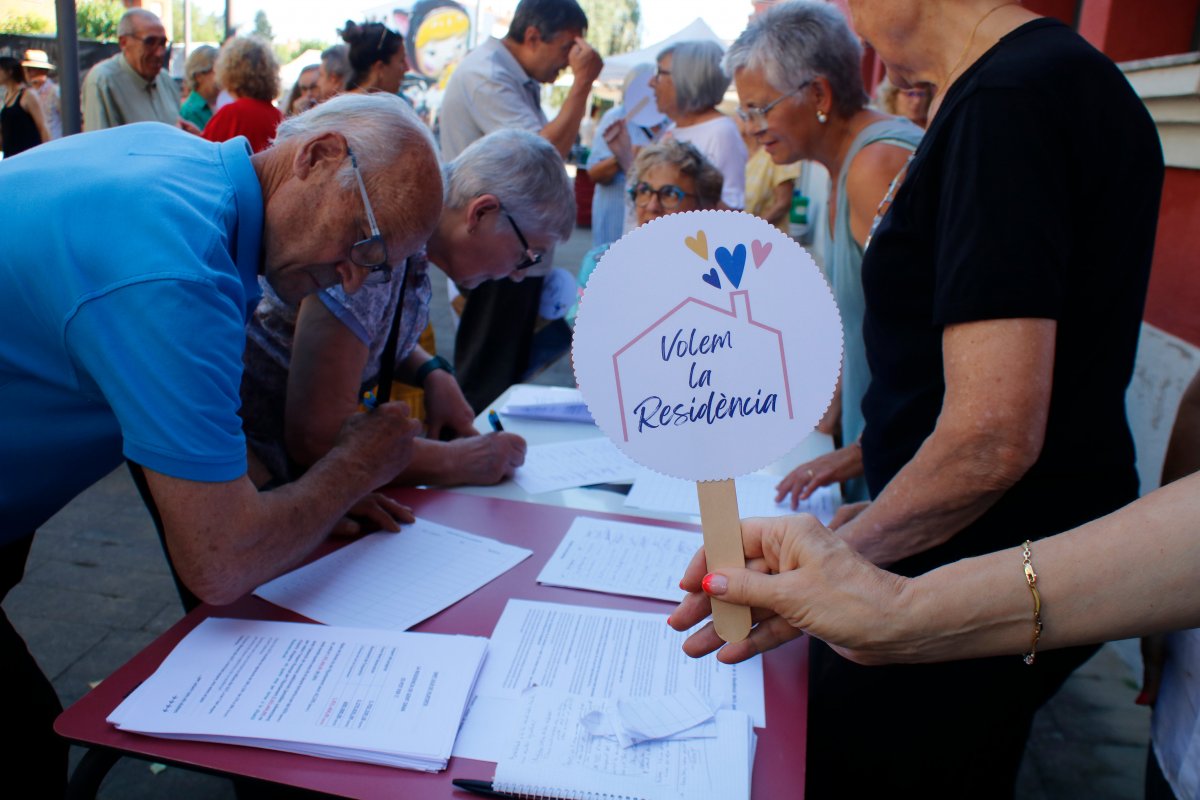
(437, 362)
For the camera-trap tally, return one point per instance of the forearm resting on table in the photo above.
(1127, 574)
(225, 539)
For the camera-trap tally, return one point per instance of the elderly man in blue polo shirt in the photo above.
(124, 336)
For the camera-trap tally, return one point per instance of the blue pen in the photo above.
(494, 419)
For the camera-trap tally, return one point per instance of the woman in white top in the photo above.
(688, 86)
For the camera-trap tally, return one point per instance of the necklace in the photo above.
(970, 41)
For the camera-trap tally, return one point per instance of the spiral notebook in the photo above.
(554, 756)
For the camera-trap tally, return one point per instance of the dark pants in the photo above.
(951, 730)
(31, 746)
(491, 350)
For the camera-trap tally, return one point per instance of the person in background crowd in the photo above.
(247, 69)
(201, 80)
(307, 368)
(989, 417)
(802, 98)
(497, 85)
(377, 58)
(22, 125)
(37, 68)
(125, 340)
(911, 103)
(334, 72)
(688, 85)
(768, 185)
(132, 86)
(303, 95)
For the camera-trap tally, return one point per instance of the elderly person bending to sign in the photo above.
(1002, 317)
(133, 349)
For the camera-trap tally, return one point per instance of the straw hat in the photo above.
(37, 59)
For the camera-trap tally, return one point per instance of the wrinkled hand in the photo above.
(847, 513)
(840, 465)
(485, 460)
(799, 578)
(585, 62)
(1154, 656)
(189, 127)
(619, 143)
(446, 409)
(372, 513)
(380, 442)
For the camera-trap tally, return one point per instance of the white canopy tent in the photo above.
(289, 73)
(615, 67)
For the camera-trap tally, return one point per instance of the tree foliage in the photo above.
(206, 26)
(612, 25)
(97, 19)
(26, 23)
(262, 26)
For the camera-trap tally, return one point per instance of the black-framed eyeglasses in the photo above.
(670, 196)
(531, 258)
(758, 116)
(660, 72)
(371, 253)
(152, 42)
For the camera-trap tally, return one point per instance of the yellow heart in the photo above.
(698, 244)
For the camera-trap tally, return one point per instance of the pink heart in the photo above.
(760, 251)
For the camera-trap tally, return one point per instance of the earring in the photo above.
(822, 117)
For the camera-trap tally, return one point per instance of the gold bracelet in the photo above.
(1031, 579)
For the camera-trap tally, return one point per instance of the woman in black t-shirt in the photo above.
(22, 125)
(1004, 289)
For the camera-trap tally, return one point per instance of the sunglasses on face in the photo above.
(669, 195)
(152, 42)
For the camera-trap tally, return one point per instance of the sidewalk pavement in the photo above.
(97, 590)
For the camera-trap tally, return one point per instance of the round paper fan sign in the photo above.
(707, 344)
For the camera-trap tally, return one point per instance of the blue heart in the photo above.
(712, 279)
(733, 264)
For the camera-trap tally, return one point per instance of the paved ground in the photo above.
(97, 590)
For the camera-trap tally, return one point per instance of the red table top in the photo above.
(778, 763)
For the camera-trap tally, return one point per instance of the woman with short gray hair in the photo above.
(201, 80)
(688, 85)
(798, 78)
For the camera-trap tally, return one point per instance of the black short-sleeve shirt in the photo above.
(1034, 194)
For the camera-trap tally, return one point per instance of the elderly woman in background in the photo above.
(688, 85)
(247, 69)
(201, 80)
(668, 177)
(799, 82)
(1002, 320)
(377, 59)
(333, 72)
(507, 201)
(303, 95)
(911, 103)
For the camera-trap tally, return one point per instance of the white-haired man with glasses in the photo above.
(133, 85)
(507, 201)
(124, 339)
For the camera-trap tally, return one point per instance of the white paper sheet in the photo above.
(554, 403)
(687, 714)
(553, 755)
(567, 465)
(382, 697)
(653, 491)
(603, 555)
(393, 581)
(597, 652)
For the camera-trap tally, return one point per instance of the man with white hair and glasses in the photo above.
(133, 85)
(133, 350)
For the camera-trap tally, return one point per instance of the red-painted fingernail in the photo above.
(1143, 699)
(715, 584)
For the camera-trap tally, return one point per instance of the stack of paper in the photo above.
(555, 755)
(554, 403)
(567, 465)
(374, 696)
(653, 491)
(393, 581)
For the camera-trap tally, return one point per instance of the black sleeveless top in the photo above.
(18, 128)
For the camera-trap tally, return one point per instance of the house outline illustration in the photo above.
(742, 295)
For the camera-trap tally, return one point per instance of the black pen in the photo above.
(479, 787)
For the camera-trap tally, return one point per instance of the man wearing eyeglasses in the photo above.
(124, 336)
(133, 85)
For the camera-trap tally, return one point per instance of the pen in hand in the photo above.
(494, 421)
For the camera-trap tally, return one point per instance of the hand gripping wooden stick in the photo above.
(723, 548)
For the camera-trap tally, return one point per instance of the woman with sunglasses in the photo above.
(801, 95)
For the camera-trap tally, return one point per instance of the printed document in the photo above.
(567, 465)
